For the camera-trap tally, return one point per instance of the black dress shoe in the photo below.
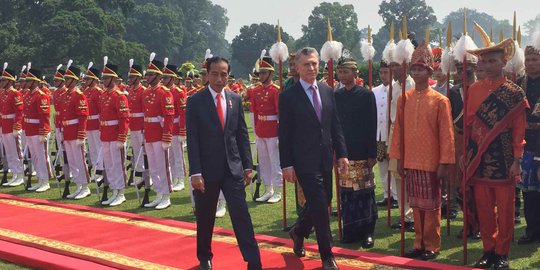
(205, 265)
(526, 239)
(409, 226)
(368, 242)
(298, 241)
(329, 264)
(429, 255)
(383, 202)
(254, 266)
(413, 253)
(486, 261)
(394, 204)
(501, 262)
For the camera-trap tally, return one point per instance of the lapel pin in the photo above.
(230, 104)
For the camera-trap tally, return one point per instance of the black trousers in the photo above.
(317, 189)
(205, 205)
(531, 208)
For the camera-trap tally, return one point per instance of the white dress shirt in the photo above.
(309, 92)
(381, 98)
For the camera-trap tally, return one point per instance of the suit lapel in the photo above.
(213, 111)
(305, 99)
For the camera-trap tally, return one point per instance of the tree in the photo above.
(483, 19)
(418, 14)
(159, 28)
(247, 46)
(344, 23)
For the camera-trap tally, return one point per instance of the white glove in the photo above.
(120, 145)
(16, 132)
(80, 142)
(42, 139)
(165, 145)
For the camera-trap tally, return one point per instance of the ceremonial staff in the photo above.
(516, 65)
(330, 51)
(279, 54)
(388, 57)
(368, 51)
(464, 44)
(403, 55)
(446, 69)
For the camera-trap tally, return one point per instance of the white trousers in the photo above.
(24, 146)
(114, 162)
(159, 172)
(94, 149)
(137, 140)
(40, 157)
(383, 174)
(13, 148)
(269, 168)
(408, 209)
(77, 165)
(177, 158)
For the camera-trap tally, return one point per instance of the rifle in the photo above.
(29, 168)
(4, 163)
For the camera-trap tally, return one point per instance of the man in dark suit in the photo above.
(220, 159)
(309, 133)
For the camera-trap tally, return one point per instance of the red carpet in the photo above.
(49, 235)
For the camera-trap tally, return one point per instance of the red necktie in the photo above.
(219, 109)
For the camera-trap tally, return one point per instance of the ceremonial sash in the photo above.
(489, 149)
(359, 177)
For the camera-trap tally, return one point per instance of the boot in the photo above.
(105, 195)
(146, 197)
(18, 181)
(76, 192)
(28, 183)
(13, 179)
(155, 202)
(34, 188)
(112, 198)
(119, 199)
(179, 185)
(85, 192)
(277, 195)
(221, 209)
(165, 202)
(44, 186)
(269, 191)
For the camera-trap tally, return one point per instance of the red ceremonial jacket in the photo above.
(37, 113)
(180, 100)
(264, 101)
(114, 116)
(135, 98)
(93, 96)
(12, 110)
(158, 106)
(74, 115)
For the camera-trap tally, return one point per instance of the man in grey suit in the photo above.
(309, 133)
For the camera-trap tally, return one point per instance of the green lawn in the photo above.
(267, 219)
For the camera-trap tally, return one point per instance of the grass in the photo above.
(267, 219)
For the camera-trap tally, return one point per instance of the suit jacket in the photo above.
(304, 142)
(211, 149)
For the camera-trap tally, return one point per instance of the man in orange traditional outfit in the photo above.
(429, 147)
(496, 118)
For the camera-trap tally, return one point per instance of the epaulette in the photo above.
(78, 91)
(165, 88)
(99, 88)
(276, 86)
(41, 92)
(119, 92)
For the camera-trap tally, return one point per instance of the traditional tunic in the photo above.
(357, 112)
(429, 142)
(496, 118)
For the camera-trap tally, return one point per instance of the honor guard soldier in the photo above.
(114, 118)
(158, 109)
(58, 100)
(93, 94)
(12, 115)
(74, 117)
(191, 88)
(37, 128)
(177, 153)
(265, 109)
(136, 116)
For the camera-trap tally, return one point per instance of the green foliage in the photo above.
(483, 19)
(344, 22)
(247, 46)
(187, 66)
